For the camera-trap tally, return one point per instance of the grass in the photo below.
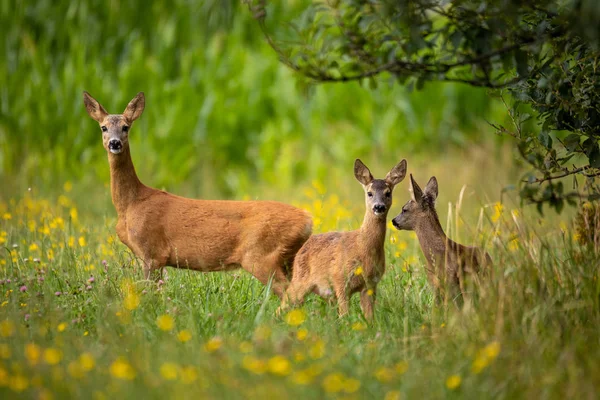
(76, 320)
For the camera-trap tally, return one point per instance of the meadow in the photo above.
(225, 120)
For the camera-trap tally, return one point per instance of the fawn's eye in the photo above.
(388, 194)
(104, 129)
(125, 128)
(369, 194)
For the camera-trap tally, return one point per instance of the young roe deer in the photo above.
(163, 229)
(446, 260)
(339, 264)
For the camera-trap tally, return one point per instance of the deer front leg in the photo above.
(367, 302)
(343, 299)
(153, 270)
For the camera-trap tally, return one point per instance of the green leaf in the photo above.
(521, 62)
(545, 139)
(571, 142)
(594, 157)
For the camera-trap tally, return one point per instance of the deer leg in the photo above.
(367, 303)
(263, 268)
(343, 300)
(294, 296)
(153, 269)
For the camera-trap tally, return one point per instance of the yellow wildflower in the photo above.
(402, 367)
(254, 365)
(165, 322)
(5, 352)
(498, 208)
(86, 360)
(303, 377)
(81, 241)
(384, 374)
(317, 350)
(213, 344)
(184, 336)
(333, 383)
(33, 247)
(295, 317)
(73, 213)
(188, 374)
(169, 371)
(62, 326)
(453, 382)
(7, 328)
(6, 216)
(32, 353)
(18, 383)
(358, 271)
(68, 186)
(121, 369)
(302, 334)
(279, 365)
(392, 395)
(359, 326)
(131, 301)
(351, 385)
(52, 356)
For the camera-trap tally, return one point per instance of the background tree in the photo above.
(544, 53)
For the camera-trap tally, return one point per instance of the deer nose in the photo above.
(379, 208)
(115, 144)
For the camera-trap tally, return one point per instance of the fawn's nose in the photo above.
(115, 144)
(379, 208)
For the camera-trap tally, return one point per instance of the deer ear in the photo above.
(362, 173)
(431, 190)
(416, 192)
(135, 107)
(93, 108)
(396, 174)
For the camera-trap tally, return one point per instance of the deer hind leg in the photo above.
(294, 295)
(266, 267)
(367, 302)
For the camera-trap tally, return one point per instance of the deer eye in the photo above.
(125, 128)
(370, 194)
(104, 129)
(388, 194)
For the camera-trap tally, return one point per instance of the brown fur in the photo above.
(447, 260)
(327, 263)
(163, 229)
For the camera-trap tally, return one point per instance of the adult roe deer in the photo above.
(348, 262)
(163, 229)
(446, 259)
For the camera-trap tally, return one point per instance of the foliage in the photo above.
(221, 113)
(544, 52)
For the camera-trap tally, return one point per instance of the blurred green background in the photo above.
(223, 117)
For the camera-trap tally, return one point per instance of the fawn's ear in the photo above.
(431, 190)
(135, 107)
(362, 173)
(396, 174)
(415, 190)
(93, 108)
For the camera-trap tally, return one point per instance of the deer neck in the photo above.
(372, 233)
(431, 237)
(124, 183)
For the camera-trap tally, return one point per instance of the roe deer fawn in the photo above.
(348, 262)
(163, 229)
(446, 260)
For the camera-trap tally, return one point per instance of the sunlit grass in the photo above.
(76, 318)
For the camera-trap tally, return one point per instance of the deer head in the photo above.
(115, 127)
(378, 192)
(420, 206)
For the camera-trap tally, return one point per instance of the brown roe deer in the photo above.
(163, 229)
(339, 264)
(447, 261)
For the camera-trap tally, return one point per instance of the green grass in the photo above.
(529, 332)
